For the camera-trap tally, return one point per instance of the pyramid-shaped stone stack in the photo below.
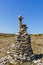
(23, 50)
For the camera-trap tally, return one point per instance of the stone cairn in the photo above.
(22, 50)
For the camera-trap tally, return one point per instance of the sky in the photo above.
(31, 10)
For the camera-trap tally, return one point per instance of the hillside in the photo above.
(37, 43)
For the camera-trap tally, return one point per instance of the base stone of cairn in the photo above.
(23, 50)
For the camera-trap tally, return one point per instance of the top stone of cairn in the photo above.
(20, 21)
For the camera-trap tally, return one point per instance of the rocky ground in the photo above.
(6, 41)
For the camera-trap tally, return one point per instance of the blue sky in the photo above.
(32, 11)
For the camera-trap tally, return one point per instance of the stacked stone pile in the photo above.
(23, 43)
